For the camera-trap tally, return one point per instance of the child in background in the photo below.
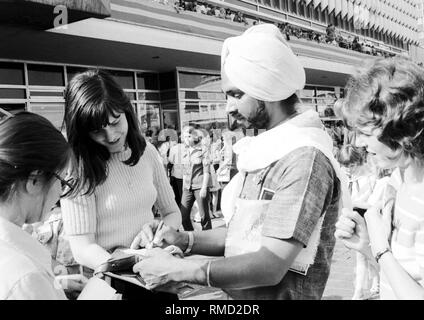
(362, 182)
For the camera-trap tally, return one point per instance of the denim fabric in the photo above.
(306, 187)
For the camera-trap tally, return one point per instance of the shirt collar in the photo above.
(25, 244)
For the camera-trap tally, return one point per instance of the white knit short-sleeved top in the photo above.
(119, 207)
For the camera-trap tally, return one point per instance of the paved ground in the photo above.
(339, 285)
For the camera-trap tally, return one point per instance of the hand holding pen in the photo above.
(149, 236)
(156, 240)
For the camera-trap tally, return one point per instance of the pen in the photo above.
(151, 243)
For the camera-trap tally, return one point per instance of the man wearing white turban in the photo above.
(282, 206)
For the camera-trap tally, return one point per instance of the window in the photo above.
(168, 95)
(200, 81)
(149, 96)
(293, 6)
(317, 13)
(12, 73)
(303, 9)
(12, 94)
(131, 95)
(167, 81)
(44, 75)
(124, 78)
(73, 71)
(148, 115)
(284, 5)
(147, 81)
(170, 119)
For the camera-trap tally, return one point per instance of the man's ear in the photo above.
(34, 184)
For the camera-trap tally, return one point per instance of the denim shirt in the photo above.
(302, 186)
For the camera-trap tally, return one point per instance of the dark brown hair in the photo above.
(28, 143)
(90, 98)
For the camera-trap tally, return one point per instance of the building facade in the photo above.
(420, 5)
(166, 54)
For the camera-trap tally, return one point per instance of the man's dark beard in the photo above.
(259, 120)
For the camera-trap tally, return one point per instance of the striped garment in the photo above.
(118, 208)
(408, 230)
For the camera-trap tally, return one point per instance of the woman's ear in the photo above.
(34, 184)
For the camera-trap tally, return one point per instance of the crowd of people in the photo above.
(285, 194)
(199, 164)
(331, 36)
(210, 10)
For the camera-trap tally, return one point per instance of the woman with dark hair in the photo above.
(122, 176)
(385, 106)
(33, 158)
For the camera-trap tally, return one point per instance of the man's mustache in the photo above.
(234, 124)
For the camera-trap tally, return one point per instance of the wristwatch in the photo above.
(381, 253)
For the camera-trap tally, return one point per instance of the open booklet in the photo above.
(120, 266)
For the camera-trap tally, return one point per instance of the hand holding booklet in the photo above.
(120, 266)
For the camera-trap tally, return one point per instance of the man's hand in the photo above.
(352, 230)
(157, 268)
(162, 271)
(163, 237)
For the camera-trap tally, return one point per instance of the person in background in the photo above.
(222, 13)
(331, 34)
(362, 182)
(121, 177)
(227, 167)
(356, 46)
(176, 166)
(215, 148)
(384, 105)
(163, 149)
(239, 17)
(34, 156)
(201, 8)
(196, 173)
(149, 136)
(230, 15)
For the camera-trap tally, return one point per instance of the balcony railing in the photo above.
(267, 13)
(298, 27)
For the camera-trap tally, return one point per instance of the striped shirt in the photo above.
(119, 207)
(407, 241)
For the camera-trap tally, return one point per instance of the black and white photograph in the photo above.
(224, 151)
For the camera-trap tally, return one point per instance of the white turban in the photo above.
(261, 64)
